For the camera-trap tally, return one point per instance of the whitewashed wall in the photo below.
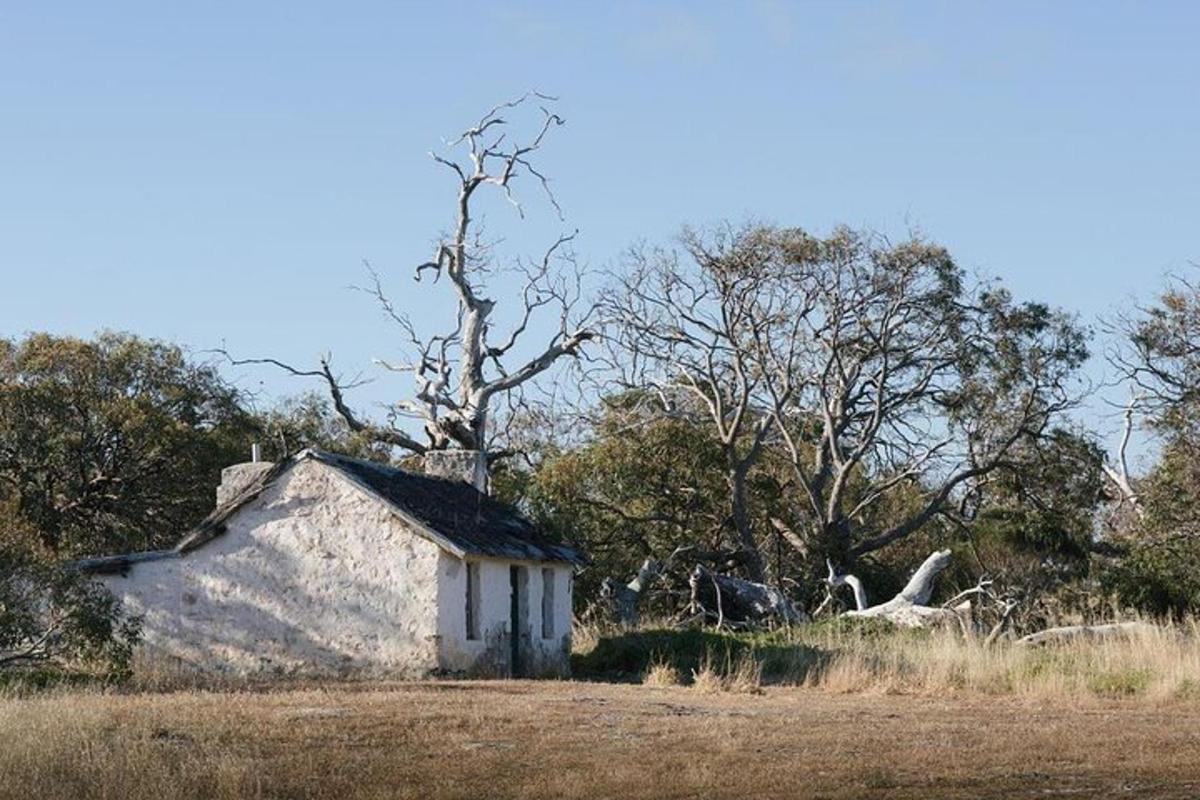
(491, 653)
(312, 577)
(317, 577)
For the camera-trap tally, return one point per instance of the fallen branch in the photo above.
(1069, 633)
(835, 580)
(1005, 618)
(736, 601)
(618, 602)
(909, 608)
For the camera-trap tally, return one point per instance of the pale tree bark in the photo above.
(903, 377)
(1070, 633)
(620, 602)
(836, 580)
(1118, 473)
(729, 600)
(458, 374)
(910, 608)
(682, 330)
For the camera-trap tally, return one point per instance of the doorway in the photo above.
(518, 623)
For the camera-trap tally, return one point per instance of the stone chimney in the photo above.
(469, 466)
(235, 478)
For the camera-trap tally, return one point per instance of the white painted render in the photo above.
(315, 576)
(490, 653)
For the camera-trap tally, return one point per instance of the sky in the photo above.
(215, 174)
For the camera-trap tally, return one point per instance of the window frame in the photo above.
(473, 627)
(548, 583)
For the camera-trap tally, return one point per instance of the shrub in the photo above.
(52, 616)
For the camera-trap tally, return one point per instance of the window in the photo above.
(472, 600)
(547, 604)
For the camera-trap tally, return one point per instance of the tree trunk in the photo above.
(741, 523)
(619, 602)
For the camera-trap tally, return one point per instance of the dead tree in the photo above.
(1118, 473)
(724, 599)
(619, 602)
(460, 372)
(837, 579)
(910, 607)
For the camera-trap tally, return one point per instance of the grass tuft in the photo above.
(662, 673)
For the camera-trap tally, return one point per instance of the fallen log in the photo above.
(1070, 633)
(835, 580)
(731, 600)
(909, 608)
(618, 601)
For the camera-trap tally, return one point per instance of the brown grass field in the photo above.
(575, 739)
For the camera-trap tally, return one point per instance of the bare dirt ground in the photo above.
(546, 739)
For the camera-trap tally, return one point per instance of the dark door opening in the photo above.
(516, 612)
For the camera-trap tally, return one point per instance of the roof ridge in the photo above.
(437, 508)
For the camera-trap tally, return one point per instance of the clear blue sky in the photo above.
(216, 174)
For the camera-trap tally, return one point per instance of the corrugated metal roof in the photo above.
(452, 514)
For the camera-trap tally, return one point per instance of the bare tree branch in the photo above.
(458, 374)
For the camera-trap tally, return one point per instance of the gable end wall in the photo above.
(312, 577)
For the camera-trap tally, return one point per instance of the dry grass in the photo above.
(577, 740)
(662, 673)
(707, 679)
(821, 711)
(1155, 663)
(742, 675)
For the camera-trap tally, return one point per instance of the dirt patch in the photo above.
(561, 739)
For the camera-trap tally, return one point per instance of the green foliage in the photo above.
(113, 444)
(52, 616)
(1034, 528)
(1161, 572)
(309, 421)
(1120, 682)
(843, 629)
(641, 487)
(1161, 361)
(868, 390)
(627, 655)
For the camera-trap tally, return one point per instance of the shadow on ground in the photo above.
(625, 656)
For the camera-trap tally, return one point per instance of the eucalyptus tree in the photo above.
(878, 370)
(687, 327)
(1158, 355)
(111, 444)
(909, 375)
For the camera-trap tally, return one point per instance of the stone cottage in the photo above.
(323, 564)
